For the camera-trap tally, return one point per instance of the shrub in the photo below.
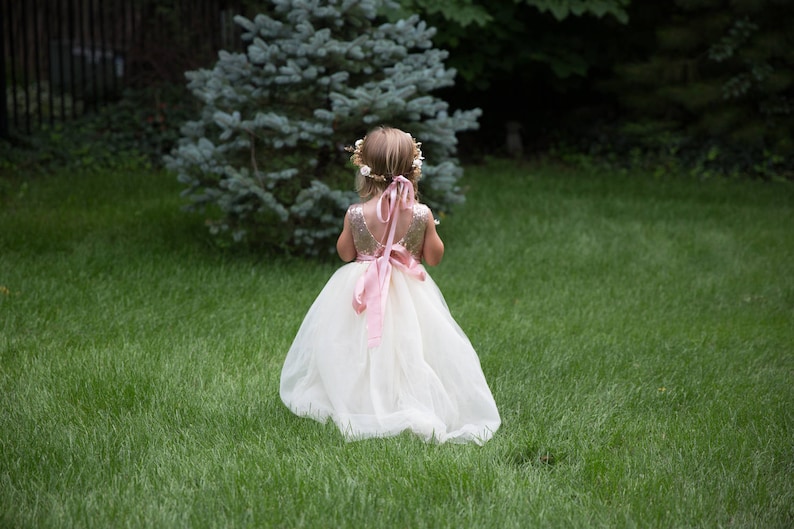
(136, 131)
(266, 157)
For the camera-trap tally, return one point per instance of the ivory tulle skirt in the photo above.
(424, 377)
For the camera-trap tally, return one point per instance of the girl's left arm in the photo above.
(345, 246)
(433, 247)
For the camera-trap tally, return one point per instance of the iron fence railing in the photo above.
(61, 58)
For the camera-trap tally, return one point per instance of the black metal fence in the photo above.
(62, 58)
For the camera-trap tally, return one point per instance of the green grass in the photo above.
(638, 335)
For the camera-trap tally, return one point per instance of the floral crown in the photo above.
(366, 171)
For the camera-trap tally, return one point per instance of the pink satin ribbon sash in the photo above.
(373, 286)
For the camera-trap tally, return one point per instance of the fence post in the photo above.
(3, 89)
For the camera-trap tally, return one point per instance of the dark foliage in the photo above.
(138, 129)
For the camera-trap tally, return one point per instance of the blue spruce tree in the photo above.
(266, 158)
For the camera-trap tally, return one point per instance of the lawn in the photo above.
(637, 333)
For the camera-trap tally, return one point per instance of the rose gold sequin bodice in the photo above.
(366, 244)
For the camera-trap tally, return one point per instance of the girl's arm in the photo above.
(433, 249)
(345, 246)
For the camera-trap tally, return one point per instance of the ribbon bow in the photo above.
(373, 286)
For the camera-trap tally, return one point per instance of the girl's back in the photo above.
(370, 234)
(378, 228)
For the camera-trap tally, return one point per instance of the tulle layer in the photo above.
(424, 376)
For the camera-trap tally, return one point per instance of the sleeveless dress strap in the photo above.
(373, 286)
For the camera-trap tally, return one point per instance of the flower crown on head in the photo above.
(366, 171)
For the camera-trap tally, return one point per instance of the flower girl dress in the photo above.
(395, 360)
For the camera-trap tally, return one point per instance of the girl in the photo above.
(395, 360)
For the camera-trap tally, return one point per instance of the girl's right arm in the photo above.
(345, 246)
(433, 249)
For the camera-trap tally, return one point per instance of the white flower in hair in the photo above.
(359, 143)
(418, 160)
(365, 170)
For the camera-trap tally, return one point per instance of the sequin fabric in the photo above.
(366, 244)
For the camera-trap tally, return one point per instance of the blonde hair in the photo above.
(386, 152)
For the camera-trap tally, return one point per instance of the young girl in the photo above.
(379, 352)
